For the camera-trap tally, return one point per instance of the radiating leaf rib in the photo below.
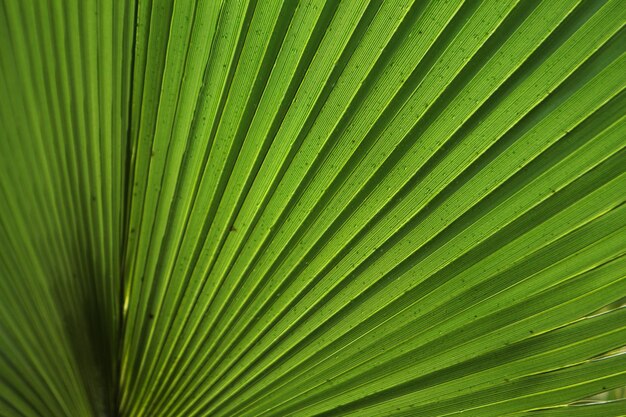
(503, 375)
(279, 85)
(388, 349)
(309, 207)
(600, 153)
(182, 125)
(608, 409)
(332, 43)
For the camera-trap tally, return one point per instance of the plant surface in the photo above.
(315, 207)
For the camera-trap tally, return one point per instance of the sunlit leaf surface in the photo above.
(315, 207)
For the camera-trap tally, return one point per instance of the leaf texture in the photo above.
(281, 207)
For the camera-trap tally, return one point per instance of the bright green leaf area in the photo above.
(312, 208)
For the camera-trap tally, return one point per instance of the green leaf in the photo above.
(311, 207)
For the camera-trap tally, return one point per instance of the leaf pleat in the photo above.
(312, 207)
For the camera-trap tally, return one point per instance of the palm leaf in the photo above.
(261, 207)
